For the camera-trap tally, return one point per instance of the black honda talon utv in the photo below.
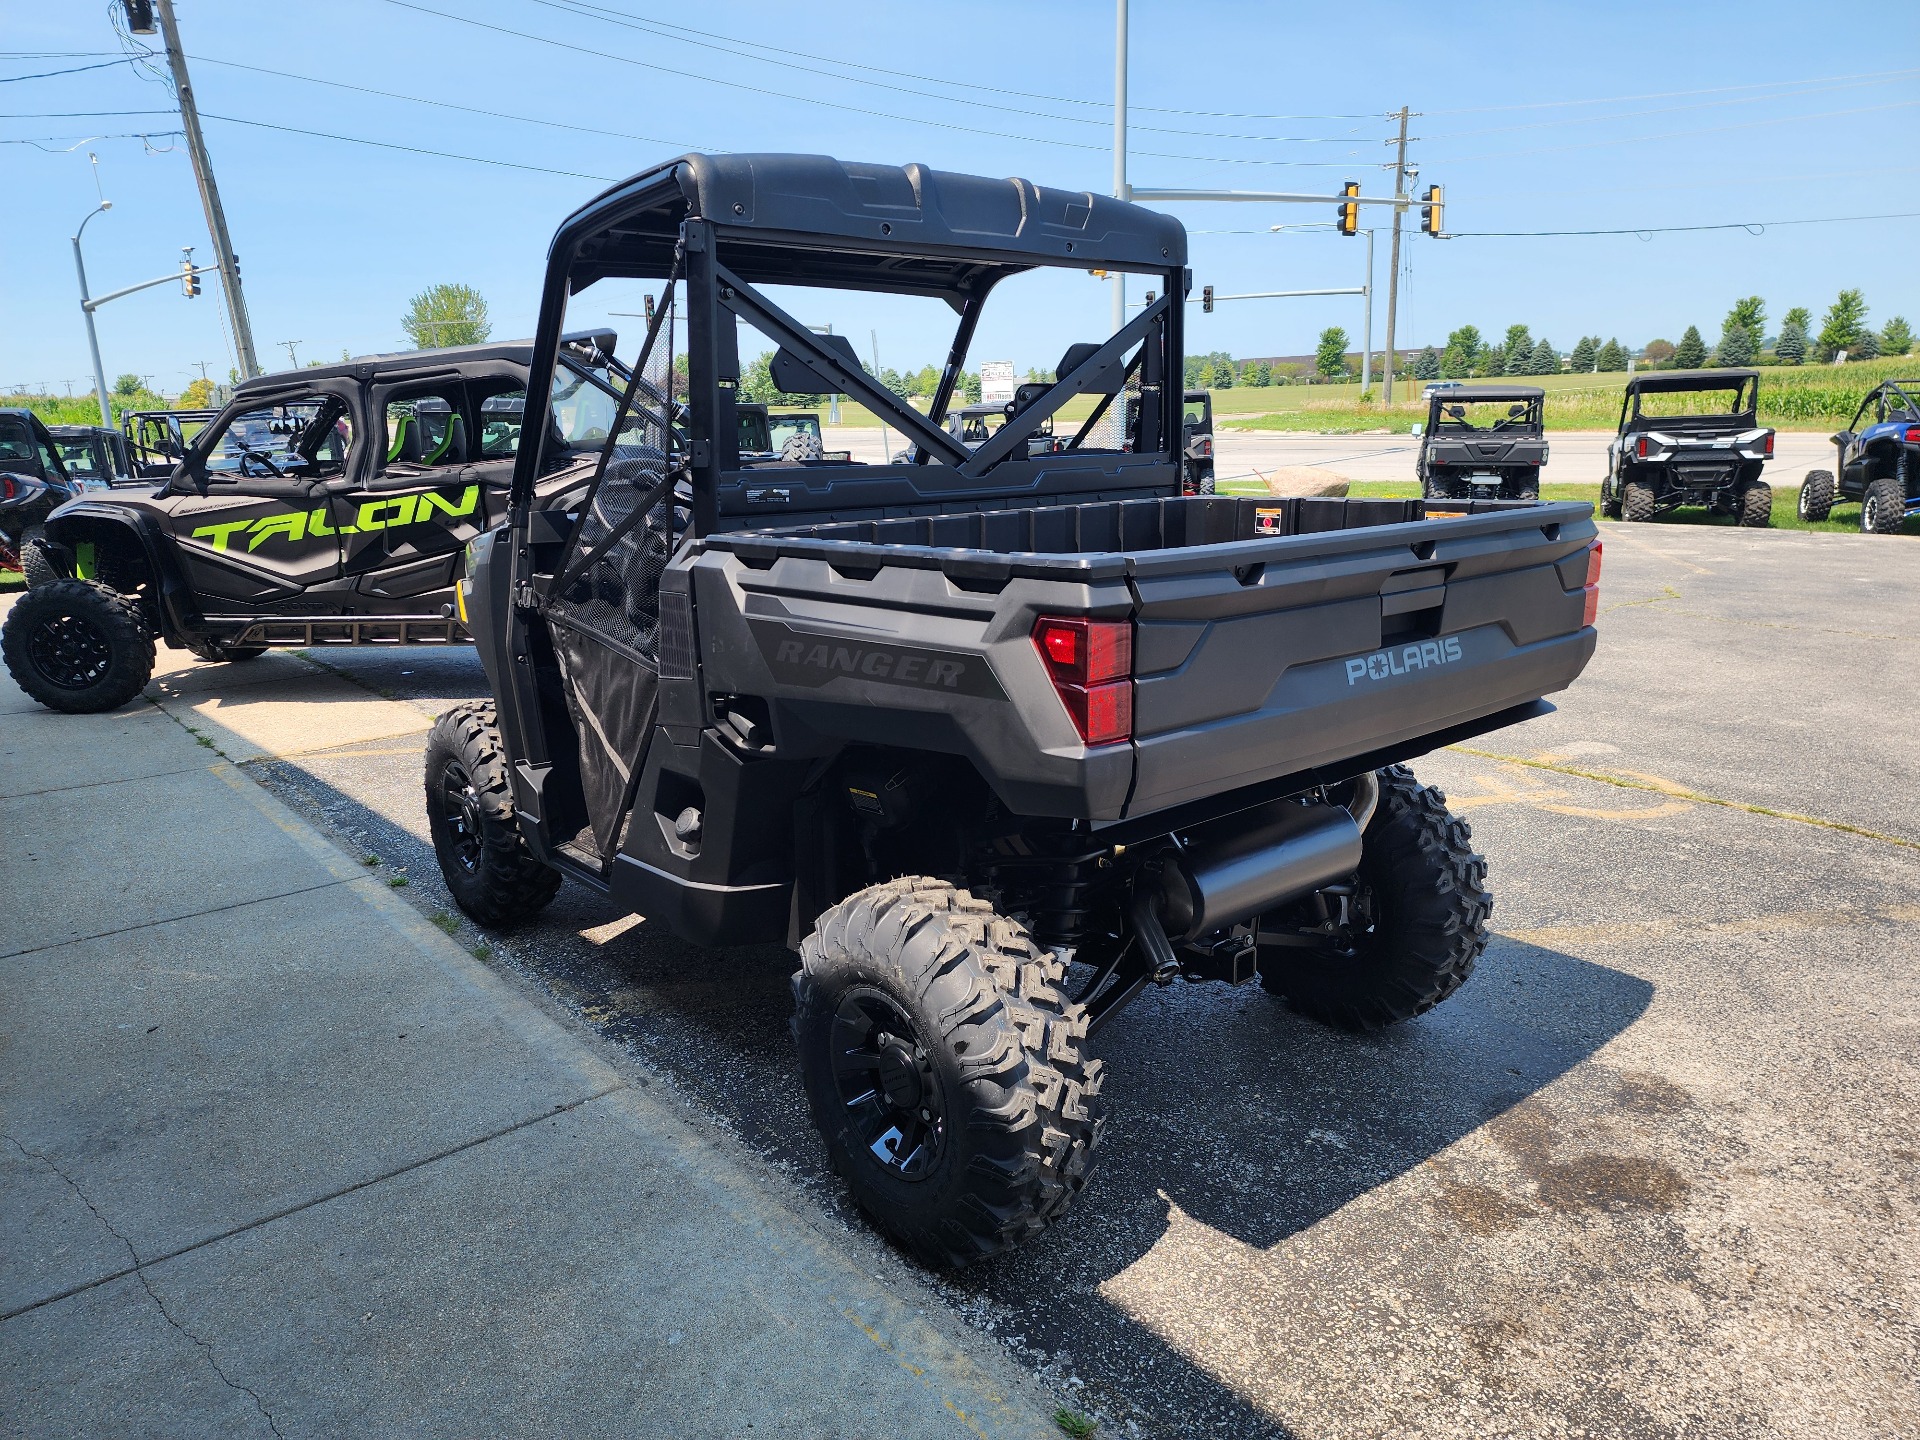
(1486, 442)
(1690, 437)
(157, 440)
(96, 458)
(1877, 462)
(322, 506)
(994, 739)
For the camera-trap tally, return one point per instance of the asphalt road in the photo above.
(1575, 457)
(1655, 1171)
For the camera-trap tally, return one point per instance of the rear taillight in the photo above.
(1767, 449)
(1913, 435)
(1640, 449)
(1593, 585)
(1206, 448)
(1091, 665)
(7, 488)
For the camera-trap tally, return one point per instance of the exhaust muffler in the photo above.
(1246, 864)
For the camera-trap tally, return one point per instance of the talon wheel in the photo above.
(1884, 507)
(77, 646)
(1816, 495)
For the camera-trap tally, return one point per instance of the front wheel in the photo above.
(945, 1068)
(1403, 937)
(1753, 507)
(77, 647)
(1884, 506)
(1816, 496)
(476, 839)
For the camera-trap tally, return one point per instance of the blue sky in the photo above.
(1704, 113)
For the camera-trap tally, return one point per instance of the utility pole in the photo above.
(1393, 277)
(1366, 324)
(209, 192)
(293, 360)
(1120, 147)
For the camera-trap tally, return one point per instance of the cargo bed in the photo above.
(1270, 637)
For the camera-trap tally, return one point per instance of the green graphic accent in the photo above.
(221, 533)
(399, 438)
(83, 561)
(291, 526)
(391, 512)
(429, 502)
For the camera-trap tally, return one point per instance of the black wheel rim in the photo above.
(460, 812)
(70, 652)
(885, 1077)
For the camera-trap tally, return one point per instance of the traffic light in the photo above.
(1349, 209)
(1430, 207)
(189, 282)
(1206, 298)
(236, 269)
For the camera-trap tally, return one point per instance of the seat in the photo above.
(405, 446)
(452, 449)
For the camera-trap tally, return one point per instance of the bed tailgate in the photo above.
(1268, 657)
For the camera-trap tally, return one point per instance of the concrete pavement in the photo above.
(282, 1158)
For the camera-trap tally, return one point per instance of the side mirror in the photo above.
(1419, 430)
(1843, 437)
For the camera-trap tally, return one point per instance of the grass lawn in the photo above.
(1845, 519)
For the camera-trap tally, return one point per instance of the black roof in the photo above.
(75, 432)
(1490, 392)
(1689, 379)
(396, 362)
(896, 227)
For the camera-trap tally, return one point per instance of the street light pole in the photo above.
(209, 193)
(1120, 147)
(1366, 323)
(86, 309)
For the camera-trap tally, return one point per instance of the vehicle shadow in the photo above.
(1224, 1106)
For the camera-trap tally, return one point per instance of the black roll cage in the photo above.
(1744, 383)
(730, 223)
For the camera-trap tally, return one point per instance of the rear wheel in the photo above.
(1754, 506)
(1816, 496)
(1407, 934)
(1609, 499)
(34, 563)
(1636, 501)
(945, 1068)
(1523, 489)
(478, 842)
(77, 646)
(1884, 506)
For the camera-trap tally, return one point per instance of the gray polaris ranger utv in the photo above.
(994, 739)
(1484, 442)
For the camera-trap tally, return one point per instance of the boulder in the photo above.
(1304, 480)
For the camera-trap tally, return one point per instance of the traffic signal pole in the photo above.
(1393, 276)
(1120, 149)
(225, 262)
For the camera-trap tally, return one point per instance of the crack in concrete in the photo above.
(140, 1274)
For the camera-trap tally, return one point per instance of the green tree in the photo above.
(1691, 352)
(1426, 365)
(1256, 372)
(1845, 322)
(1191, 373)
(1330, 355)
(1582, 358)
(1544, 360)
(970, 386)
(1736, 345)
(198, 395)
(1463, 352)
(1867, 347)
(925, 381)
(1658, 354)
(1791, 346)
(1519, 349)
(1896, 337)
(1749, 315)
(447, 314)
(128, 384)
(892, 380)
(1493, 361)
(1612, 357)
(756, 379)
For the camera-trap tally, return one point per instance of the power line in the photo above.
(49, 74)
(1680, 134)
(839, 105)
(409, 149)
(1674, 94)
(743, 49)
(1754, 227)
(1662, 110)
(446, 104)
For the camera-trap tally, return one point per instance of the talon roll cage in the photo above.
(728, 225)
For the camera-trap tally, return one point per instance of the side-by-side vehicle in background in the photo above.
(997, 738)
(1690, 437)
(323, 506)
(96, 458)
(34, 482)
(1483, 442)
(1876, 462)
